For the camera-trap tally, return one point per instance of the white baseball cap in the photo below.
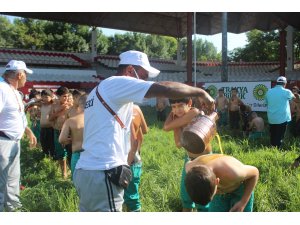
(138, 59)
(281, 79)
(17, 65)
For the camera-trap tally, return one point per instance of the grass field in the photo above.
(278, 189)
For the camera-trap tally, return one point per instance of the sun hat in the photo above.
(281, 79)
(17, 65)
(138, 59)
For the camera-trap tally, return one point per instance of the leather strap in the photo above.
(112, 112)
(2, 134)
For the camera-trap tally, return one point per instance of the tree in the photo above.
(161, 47)
(6, 30)
(58, 36)
(28, 34)
(205, 51)
(102, 42)
(261, 47)
(297, 45)
(66, 37)
(128, 41)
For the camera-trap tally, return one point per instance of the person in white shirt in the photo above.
(13, 124)
(102, 172)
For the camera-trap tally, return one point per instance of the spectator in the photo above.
(138, 129)
(107, 121)
(256, 126)
(34, 111)
(245, 111)
(13, 124)
(72, 133)
(222, 108)
(58, 117)
(294, 104)
(234, 111)
(47, 131)
(278, 111)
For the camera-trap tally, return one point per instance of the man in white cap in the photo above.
(278, 110)
(102, 172)
(13, 124)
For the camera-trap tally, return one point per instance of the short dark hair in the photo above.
(200, 184)
(33, 93)
(234, 89)
(62, 91)
(46, 92)
(180, 100)
(76, 93)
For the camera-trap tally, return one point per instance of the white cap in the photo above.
(281, 79)
(138, 59)
(17, 65)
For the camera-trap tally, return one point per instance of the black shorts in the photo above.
(234, 119)
(47, 140)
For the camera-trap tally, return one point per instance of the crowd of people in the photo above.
(238, 117)
(97, 137)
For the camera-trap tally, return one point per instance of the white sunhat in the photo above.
(17, 65)
(138, 59)
(281, 79)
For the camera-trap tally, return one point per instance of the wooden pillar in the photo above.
(289, 48)
(189, 47)
(282, 53)
(224, 75)
(179, 49)
(93, 44)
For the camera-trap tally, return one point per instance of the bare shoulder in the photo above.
(136, 107)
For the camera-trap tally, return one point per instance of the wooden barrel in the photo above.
(196, 136)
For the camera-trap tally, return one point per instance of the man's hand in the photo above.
(208, 104)
(31, 137)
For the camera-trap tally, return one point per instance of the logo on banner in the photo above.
(212, 91)
(259, 92)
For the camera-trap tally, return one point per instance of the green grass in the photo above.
(278, 189)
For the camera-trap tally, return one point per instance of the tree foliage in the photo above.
(205, 50)
(263, 47)
(26, 33)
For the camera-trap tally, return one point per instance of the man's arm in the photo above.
(182, 121)
(250, 181)
(177, 136)
(32, 138)
(175, 90)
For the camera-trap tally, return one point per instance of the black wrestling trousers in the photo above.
(277, 132)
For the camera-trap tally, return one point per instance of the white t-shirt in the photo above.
(12, 121)
(105, 143)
